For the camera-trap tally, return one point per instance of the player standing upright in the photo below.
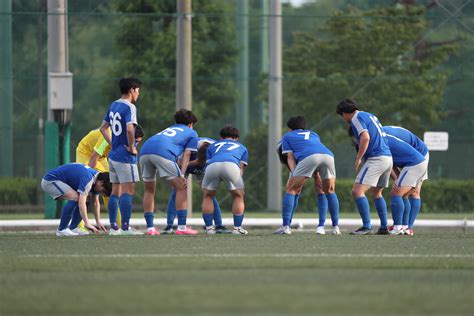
(160, 153)
(121, 117)
(374, 172)
(226, 160)
(306, 157)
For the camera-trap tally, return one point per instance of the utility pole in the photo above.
(6, 105)
(274, 107)
(184, 92)
(262, 105)
(242, 106)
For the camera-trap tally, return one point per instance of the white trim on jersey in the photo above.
(357, 124)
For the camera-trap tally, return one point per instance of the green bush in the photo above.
(18, 191)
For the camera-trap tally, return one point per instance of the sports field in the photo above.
(431, 273)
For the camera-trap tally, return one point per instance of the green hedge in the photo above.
(452, 196)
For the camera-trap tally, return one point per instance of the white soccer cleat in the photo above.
(284, 230)
(80, 231)
(210, 230)
(115, 232)
(239, 231)
(336, 230)
(130, 232)
(66, 233)
(320, 230)
(397, 231)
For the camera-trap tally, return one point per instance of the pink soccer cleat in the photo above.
(187, 231)
(153, 232)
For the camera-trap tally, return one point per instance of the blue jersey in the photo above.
(367, 122)
(171, 142)
(76, 175)
(303, 143)
(227, 150)
(403, 154)
(120, 114)
(407, 137)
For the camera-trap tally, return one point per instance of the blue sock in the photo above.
(149, 217)
(66, 214)
(295, 206)
(113, 210)
(364, 211)
(238, 220)
(406, 212)
(126, 209)
(322, 208)
(207, 219)
(415, 209)
(217, 213)
(76, 218)
(171, 212)
(397, 209)
(182, 214)
(333, 205)
(287, 208)
(381, 207)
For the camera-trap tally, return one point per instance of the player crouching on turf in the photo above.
(74, 182)
(306, 156)
(197, 167)
(226, 160)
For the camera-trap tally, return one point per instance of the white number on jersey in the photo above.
(306, 135)
(377, 124)
(115, 123)
(232, 147)
(171, 131)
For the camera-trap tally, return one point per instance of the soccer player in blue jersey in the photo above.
(412, 201)
(374, 172)
(160, 154)
(196, 167)
(74, 182)
(121, 117)
(226, 160)
(307, 156)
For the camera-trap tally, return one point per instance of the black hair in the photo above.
(125, 84)
(283, 157)
(347, 106)
(201, 153)
(105, 178)
(296, 122)
(139, 132)
(185, 117)
(350, 132)
(229, 131)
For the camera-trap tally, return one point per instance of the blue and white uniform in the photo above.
(74, 176)
(376, 169)
(199, 171)
(310, 154)
(161, 152)
(123, 164)
(224, 158)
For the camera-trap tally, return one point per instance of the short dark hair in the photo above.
(296, 122)
(229, 131)
(347, 106)
(125, 84)
(186, 117)
(105, 178)
(139, 132)
(201, 153)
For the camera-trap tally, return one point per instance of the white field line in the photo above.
(243, 255)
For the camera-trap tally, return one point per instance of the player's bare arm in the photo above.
(93, 159)
(185, 161)
(131, 139)
(291, 161)
(363, 145)
(104, 129)
(83, 210)
(98, 223)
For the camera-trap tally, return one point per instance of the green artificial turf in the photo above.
(430, 273)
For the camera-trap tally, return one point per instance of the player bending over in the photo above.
(226, 160)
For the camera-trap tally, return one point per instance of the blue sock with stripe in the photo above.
(76, 218)
(207, 219)
(182, 215)
(333, 205)
(149, 218)
(406, 211)
(66, 214)
(397, 205)
(381, 207)
(295, 206)
(238, 220)
(113, 210)
(126, 209)
(364, 211)
(217, 213)
(171, 211)
(415, 209)
(287, 207)
(322, 203)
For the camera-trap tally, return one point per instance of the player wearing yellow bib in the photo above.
(93, 150)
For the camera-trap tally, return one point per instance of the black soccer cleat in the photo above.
(361, 231)
(382, 231)
(222, 230)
